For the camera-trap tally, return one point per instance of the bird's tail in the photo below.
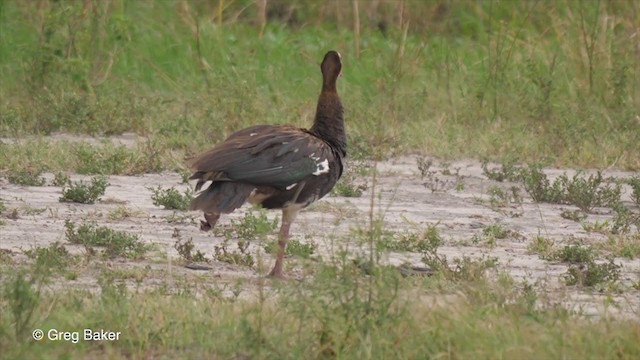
(222, 197)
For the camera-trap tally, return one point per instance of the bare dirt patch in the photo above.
(457, 205)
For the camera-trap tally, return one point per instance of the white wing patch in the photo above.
(253, 134)
(321, 167)
(291, 186)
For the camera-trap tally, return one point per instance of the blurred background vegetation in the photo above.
(556, 82)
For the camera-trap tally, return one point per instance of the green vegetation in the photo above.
(185, 249)
(241, 256)
(171, 198)
(112, 243)
(83, 192)
(337, 315)
(592, 274)
(53, 258)
(556, 81)
(294, 248)
(26, 178)
(250, 226)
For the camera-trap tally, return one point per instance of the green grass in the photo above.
(26, 178)
(339, 313)
(550, 81)
(556, 83)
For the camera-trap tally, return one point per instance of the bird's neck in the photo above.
(329, 123)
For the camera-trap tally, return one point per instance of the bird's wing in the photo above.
(278, 156)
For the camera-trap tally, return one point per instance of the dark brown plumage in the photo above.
(276, 166)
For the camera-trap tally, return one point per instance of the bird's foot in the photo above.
(277, 274)
(204, 225)
(210, 220)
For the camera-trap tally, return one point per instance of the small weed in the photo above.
(84, 193)
(3, 207)
(111, 275)
(537, 185)
(583, 192)
(432, 181)
(587, 193)
(464, 269)
(500, 198)
(60, 179)
(122, 212)
(26, 178)
(634, 182)
(185, 249)
(180, 218)
(251, 226)
(294, 248)
(493, 232)
(622, 223)
(574, 215)
(22, 294)
(53, 258)
(575, 254)
(171, 198)
(507, 171)
(627, 246)
(624, 219)
(425, 241)
(591, 273)
(350, 184)
(239, 257)
(347, 188)
(542, 246)
(114, 243)
(424, 166)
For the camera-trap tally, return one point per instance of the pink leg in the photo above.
(283, 237)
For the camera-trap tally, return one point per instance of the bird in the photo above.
(276, 166)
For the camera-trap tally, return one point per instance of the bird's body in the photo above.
(276, 166)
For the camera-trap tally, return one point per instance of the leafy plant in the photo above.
(171, 198)
(575, 254)
(185, 249)
(252, 226)
(242, 256)
(112, 243)
(294, 248)
(60, 179)
(26, 178)
(591, 273)
(583, 192)
(22, 294)
(634, 182)
(83, 192)
(507, 171)
(54, 257)
(575, 215)
(542, 246)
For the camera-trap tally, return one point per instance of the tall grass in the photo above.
(542, 81)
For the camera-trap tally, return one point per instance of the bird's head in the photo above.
(331, 66)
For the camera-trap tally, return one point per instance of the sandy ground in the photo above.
(405, 201)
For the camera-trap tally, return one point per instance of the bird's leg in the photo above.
(283, 237)
(210, 221)
(289, 214)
